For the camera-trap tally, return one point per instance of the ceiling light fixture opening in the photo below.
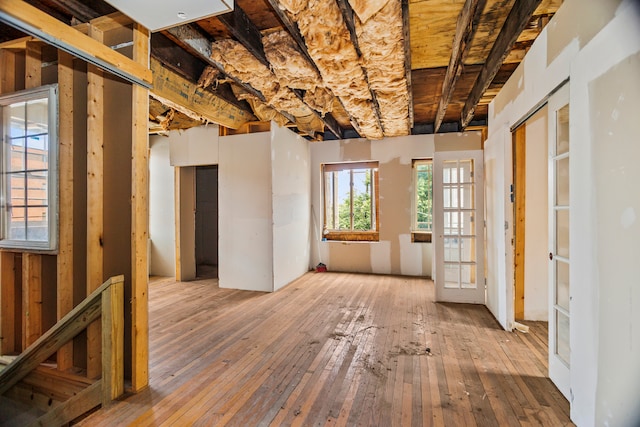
(182, 15)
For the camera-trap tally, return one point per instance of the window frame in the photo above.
(50, 92)
(372, 235)
(417, 235)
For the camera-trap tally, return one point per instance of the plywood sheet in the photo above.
(432, 25)
(427, 89)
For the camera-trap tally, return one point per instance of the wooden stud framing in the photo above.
(140, 218)
(65, 197)
(95, 200)
(31, 298)
(519, 184)
(112, 343)
(8, 300)
(31, 262)
(9, 293)
(32, 20)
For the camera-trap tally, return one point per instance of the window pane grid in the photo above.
(29, 131)
(350, 197)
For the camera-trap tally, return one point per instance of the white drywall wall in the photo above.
(536, 275)
(161, 209)
(290, 173)
(195, 146)
(245, 240)
(585, 44)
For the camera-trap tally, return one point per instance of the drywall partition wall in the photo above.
(596, 48)
(246, 229)
(536, 275)
(394, 253)
(614, 110)
(195, 146)
(161, 209)
(290, 174)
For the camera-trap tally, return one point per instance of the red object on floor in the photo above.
(321, 268)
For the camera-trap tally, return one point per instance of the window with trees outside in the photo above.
(28, 166)
(351, 201)
(422, 200)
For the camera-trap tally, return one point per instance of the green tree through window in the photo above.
(350, 197)
(423, 185)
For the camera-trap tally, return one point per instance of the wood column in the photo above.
(9, 293)
(31, 262)
(65, 199)
(140, 217)
(95, 201)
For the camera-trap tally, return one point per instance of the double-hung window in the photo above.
(28, 193)
(422, 226)
(351, 201)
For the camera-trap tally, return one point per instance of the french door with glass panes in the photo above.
(559, 288)
(459, 226)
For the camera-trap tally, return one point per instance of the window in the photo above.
(422, 200)
(28, 162)
(351, 201)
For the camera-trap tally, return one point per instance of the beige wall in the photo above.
(394, 253)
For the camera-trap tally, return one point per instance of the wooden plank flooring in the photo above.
(335, 349)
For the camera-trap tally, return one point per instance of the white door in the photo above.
(559, 288)
(458, 203)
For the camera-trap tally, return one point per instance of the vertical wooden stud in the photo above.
(32, 263)
(95, 201)
(519, 176)
(8, 310)
(140, 217)
(113, 342)
(65, 199)
(9, 342)
(31, 298)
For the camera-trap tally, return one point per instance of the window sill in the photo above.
(356, 236)
(420, 237)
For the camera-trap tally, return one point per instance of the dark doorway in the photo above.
(206, 221)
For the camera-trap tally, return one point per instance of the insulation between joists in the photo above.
(238, 62)
(329, 45)
(381, 42)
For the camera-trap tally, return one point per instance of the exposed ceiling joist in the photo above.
(465, 30)
(241, 27)
(407, 56)
(248, 35)
(177, 92)
(191, 39)
(516, 21)
(292, 28)
(179, 61)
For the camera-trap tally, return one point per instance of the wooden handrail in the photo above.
(66, 329)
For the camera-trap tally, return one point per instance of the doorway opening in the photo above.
(206, 222)
(529, 196)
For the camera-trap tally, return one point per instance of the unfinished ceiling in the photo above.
(339, 68)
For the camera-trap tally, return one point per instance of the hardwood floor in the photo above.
(335, 349)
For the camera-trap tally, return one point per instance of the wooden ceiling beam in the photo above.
(241, 27)
(77, 9)
(293, 29)
(516, 21)
(251, 39)
(190, 39)
(407, 56)
(177, 92)
(465, 30)
(189, 67)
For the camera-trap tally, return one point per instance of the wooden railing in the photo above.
(106, 302)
